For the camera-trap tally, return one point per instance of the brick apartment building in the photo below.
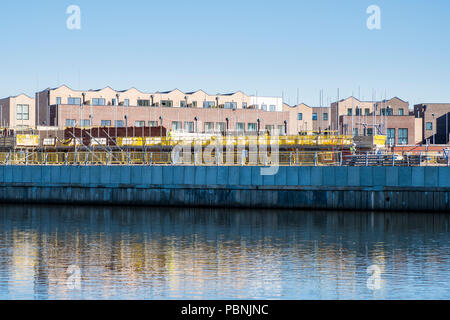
(435, 118)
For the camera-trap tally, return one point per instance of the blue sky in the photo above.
(264, 47)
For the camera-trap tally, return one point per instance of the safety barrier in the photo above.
(214, 157)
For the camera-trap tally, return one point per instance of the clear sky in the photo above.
(263, 47)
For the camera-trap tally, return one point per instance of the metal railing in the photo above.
(220, 158)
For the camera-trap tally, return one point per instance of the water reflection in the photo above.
(148, 253)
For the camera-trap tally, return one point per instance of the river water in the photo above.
(150, 253)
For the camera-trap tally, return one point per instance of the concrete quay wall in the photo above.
(357, 188)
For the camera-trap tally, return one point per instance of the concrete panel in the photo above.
(316, 176)
(2, 175)
(431, 177)
(366, 177)
(245, 176)
(200, 175)
(353, 176)
(189, 175)
(146, 175)
(341, 176)
(379, 176)
(329, 176)
(157, 175)
(85, 173)
(36, 174)
(55, 175)
(292, 176)
(281, 177)
(178, 175)
(268, 180)
(222, 176)
(257, 178)
(392, 176)
(105, 175)
(444, 177)
(167, 175)
(304, 176)
(47, 175)
(136, 176)
(211, 176)
(233, 176)
(65, 176)
(404, 176)
(418, 176)
(21, 174)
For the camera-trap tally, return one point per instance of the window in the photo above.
(58, 100)
(358, 111)
(230, 105)
(113, 102)
(23, 112)
(270, 128)
(370, 132)
(273, 108)
(244, 105)
(391, 136)
(208, 104)
(355, 132)
(139, 124)
(281, 130)
(176, 126)
(119, 124)
(189, 126)
(325, 116)
(71, 123)
(314, 116)
(349, 112)
(85, 123)
(126, 102)
(166, 103)
(194, 104)
(182, 104)
(300, 116)
(252, 127)
(209, 126)
(264, 107)
(153, 124)
(387, 112)
(98, 102)
(74, 101)
(220, 126)
(240, 126)
(400, 112)
(403, 136)
(106, 123)
(143, 103)
(429, 126)
(367, 112)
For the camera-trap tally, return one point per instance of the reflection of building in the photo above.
(17, 112)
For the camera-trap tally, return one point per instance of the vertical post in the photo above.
(420, 159)
(367, 159)
(315, 159)
(290, 158)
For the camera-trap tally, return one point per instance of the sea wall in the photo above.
(358, 188)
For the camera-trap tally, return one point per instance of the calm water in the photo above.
(123, 253)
